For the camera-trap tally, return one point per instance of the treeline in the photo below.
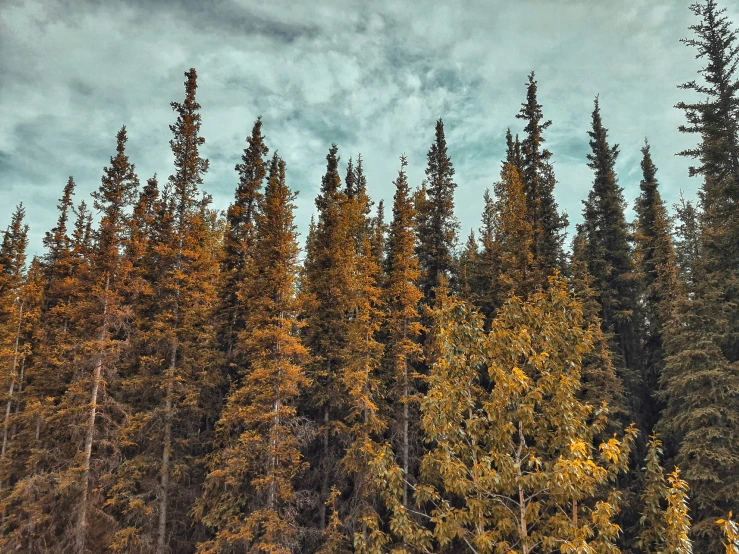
(175, 381)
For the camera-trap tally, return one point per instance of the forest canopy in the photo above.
(178, 378)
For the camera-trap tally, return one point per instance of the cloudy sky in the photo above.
(371, 76)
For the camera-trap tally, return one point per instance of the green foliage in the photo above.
(511, 465)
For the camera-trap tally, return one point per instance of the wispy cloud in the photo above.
(372, 77)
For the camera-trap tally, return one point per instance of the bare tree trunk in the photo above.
(96, 380)
(324, 484)
(574, 514)
(273, 457)
(8, 406)
(406, 448)
(521, 495)
(166, 454)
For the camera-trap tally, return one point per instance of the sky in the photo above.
(372, 77)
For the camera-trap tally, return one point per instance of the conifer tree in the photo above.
(106, 312)
(437, 226)
(657, 270)
(173, 393)
(360, 375)
(249, 494)
(688, 247)
(403, 328)
(239, 235)
(513, 239)
(537, 175)
(468, 269)
(600, 383)
(715, 118)
(513, 155)
(610, 263)
(488, 263)
(700, 389)
(327, 286)
(13, 308)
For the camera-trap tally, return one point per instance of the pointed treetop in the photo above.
(603, 157)
(531, 112)
(349, 184)
(648, 168)
(189, 165)
(331, 181)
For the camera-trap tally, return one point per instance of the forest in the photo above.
(178, 378)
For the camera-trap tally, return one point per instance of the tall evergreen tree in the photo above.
(360, 375)
(249, 493)
(715, 118)
(610, 263)
(403, 328)
(239, 236)
(700, 389)
(537, 175)
(437, 226)
(12, 312)
(173, 393)
(600, 383)
(657, 268)
(327, 286)
(513, 154)
(513, 239)
(488, 263)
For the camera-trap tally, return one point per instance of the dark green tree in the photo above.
(239, 237)
(539, 181)
(610, 262)
(437, 226)
(715, 118)
(657, 268)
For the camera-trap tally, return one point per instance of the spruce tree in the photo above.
(657, 269)
(468, 269)
(513, 154)
(437, 226)
(360, 374)
(403, 328)
(513, 239)
(488, 262)
(537, 175)
(611, 265)
(13, 308)
(249, 496)
(239, 236)
(107, 312)
(600, 383)
(700, 390)
(172, 392)
(715, 118)
(327, 286)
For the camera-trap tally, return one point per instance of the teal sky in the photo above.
(371, 76)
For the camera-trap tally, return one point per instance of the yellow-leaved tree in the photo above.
(511, 465)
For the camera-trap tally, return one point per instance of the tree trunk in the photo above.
(166, 454)
(96, 379)
(406, 448)
(8, 406)
(324, 484)
(521, 495)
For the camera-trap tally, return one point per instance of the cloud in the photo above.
(372, 77)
